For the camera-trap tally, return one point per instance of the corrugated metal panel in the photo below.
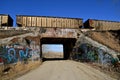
(72, 23)
(76, 23)
(53, 22)
(104, 25)
(49, 21)
(65, 20)
(44, 22)
(4, 19)
(80, 23)
(34, 21)
(63, 23)
(39, 22)
(67, 24)
(19, 20)
(58, 22)
(29, 21)
(24, 21)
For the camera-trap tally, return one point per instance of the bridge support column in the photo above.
(40, 51)
(68, 49)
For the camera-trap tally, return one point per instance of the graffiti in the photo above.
(89, 53)
(10, 54)
(35, 55)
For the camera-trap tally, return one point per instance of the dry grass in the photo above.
(10, 33)
(18, 70)
(53, 55)
(108, 38)
(105, 70)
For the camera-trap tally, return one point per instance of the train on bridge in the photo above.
(58, 22)
(102, 24)
(48, 21)
(5, 20)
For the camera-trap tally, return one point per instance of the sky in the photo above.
(93, 9)
(54, 48)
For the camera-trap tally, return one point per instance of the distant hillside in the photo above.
(53, 55)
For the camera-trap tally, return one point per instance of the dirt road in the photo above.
(65, 70)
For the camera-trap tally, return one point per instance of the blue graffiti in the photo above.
(89, 53)
(23, 55)
(27, 49)
(11, 55)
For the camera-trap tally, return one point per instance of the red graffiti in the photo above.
(1, 60)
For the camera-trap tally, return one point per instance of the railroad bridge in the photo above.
(66, 37)
(54, 30)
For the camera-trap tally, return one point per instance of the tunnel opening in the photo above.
(52, 51)
(67, 44)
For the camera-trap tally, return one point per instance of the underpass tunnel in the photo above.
(68, 44)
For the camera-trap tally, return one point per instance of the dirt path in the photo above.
(65, 70)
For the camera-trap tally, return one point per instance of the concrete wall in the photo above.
(19, 54)
(89, 50)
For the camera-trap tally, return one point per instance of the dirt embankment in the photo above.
(108, 38)
(9, 72)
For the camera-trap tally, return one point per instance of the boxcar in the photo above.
(47, 21)
(102, 24)
(5, 20)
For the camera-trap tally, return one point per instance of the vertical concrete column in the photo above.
(40, 50)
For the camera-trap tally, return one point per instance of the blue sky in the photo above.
(55, 48)
(95, 9)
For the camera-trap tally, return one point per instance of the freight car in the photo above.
(47, 21)
(5, 20)
(102, 24)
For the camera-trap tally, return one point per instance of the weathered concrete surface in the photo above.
(10, 33)
(7, 40)
(59, 32)
(85, 39)
(42, 32)
(65, 70)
